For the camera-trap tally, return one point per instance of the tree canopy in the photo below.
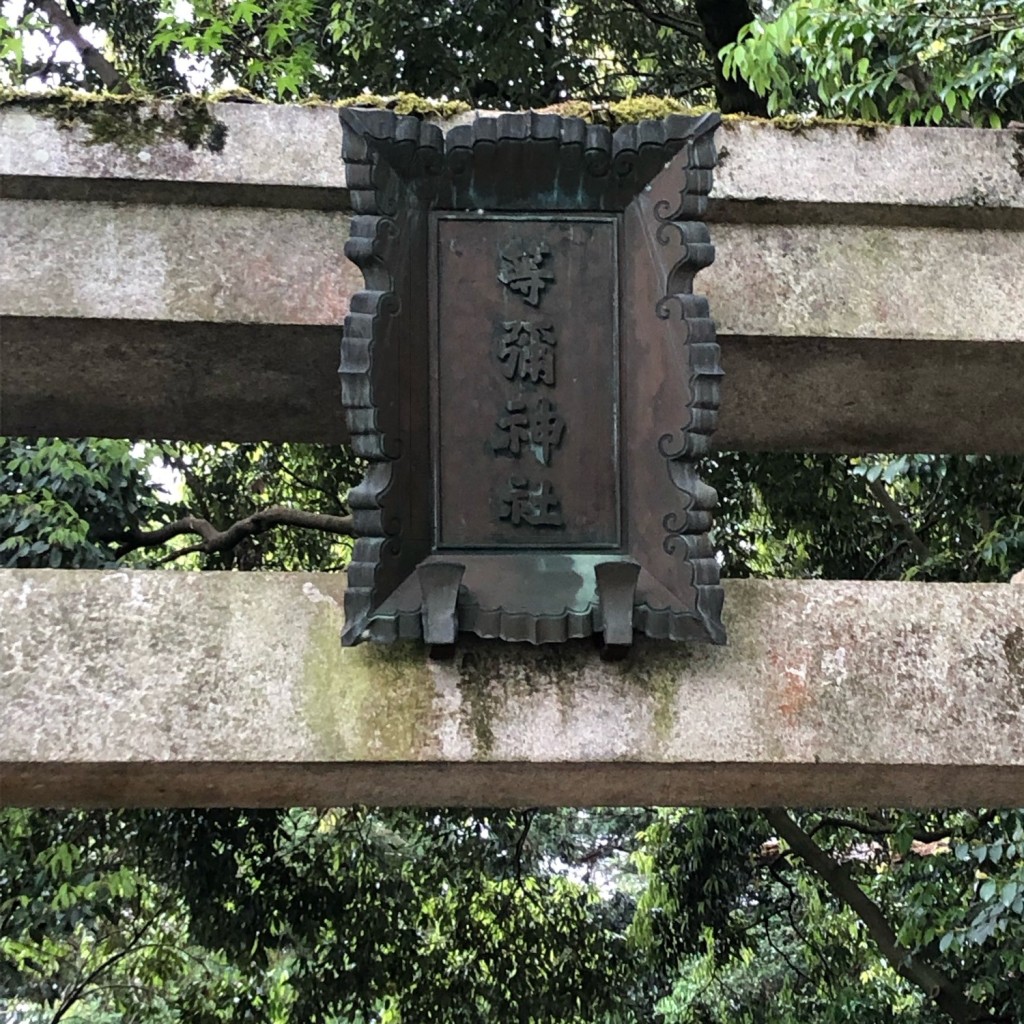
(355, 915)
(901, 62)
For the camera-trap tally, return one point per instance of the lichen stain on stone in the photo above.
(656, 668)
(131, 122)
(372, 702)
(1013, 647)
(885, 679)
(1018, 153)
(488, 680)
(478, 700)
(793, 693)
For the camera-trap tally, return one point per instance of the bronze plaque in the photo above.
(526, 382)
(531, 378)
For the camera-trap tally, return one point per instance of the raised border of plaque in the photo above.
(531, 379)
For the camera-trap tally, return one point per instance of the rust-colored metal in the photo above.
(532, 379)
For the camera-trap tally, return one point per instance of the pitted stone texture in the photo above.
(174, 263)
(267, 266)
(866, 281)
(295, 146)
(868, 164)
(223, 687)
(265, 145)
(842, 253)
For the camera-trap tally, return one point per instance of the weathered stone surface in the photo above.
(181, 688)
(174, 263)
(843, 253)
(858, 281)
(837, 164)
(870, 395)
(297, 147)
(278, 382)
(246, 382)
(249, 265)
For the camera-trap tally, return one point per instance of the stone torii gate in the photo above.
(164, 292)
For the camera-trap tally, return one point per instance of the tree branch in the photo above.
(775, 869)
(71, 997)
(221, 540)
(879, 829)
(722, 21)
(528, 817)
(913, 967)
(70, 32)
(685, 26)
(899, 519)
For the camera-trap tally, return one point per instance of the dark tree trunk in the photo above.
(722, 21)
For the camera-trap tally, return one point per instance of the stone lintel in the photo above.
(174, 688)
(290, 152)
(155, 291)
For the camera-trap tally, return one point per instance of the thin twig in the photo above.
(685, 26)
(528, 817)
(835, 821)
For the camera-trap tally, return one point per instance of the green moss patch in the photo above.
(367, 703)
(408, 103)
(131, 122)
(136, 121)
(620, 112)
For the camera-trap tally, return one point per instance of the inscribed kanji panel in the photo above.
(526, 380)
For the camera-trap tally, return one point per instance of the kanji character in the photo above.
(530, 421)
(520, 270)
(526, 351)
(535, 505)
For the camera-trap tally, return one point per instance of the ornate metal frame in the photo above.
(653, 179)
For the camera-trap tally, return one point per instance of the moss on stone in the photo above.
(372, 702)
(644, 108)
(654, 668)
(573, 108)
(408, 103)
(135, 121)
(479, 701)
(486, 682)
(132, 122)
(798, 125)
(235, 94)
(628, 111)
